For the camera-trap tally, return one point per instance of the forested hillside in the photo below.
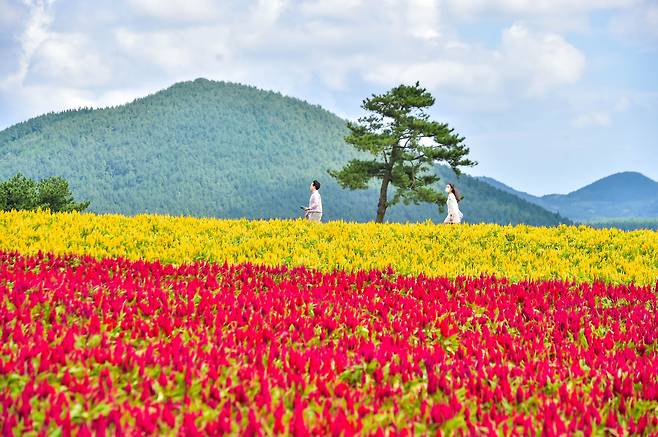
(219, 149)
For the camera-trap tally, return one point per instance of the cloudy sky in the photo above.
(550, 94)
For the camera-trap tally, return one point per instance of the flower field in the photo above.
(519, 252)
(159, 325)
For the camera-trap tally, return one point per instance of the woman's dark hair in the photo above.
(455, 191)
(316, 184)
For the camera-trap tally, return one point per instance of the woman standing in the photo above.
(454, 214)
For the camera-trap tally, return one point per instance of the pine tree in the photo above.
(405, 145)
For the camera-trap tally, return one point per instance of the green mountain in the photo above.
(506, 188)
(625, 198)
(219, 149)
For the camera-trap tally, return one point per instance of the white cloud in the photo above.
(10, 14)
(330, 8)
(192, 11)
(56, 71)
(623, 104)
(34, 34)
(378, 19)
(51, 58)
(267, 12)
(436, 75)
(175, 51)
(639, 23)
(532, 63)
(68, 60)
(549, 15)
(270, 41)
(533, 7)
(294, 48)
(39, 99)
(600, 118)
(423, 19)
(613, 104)
(49, 98)
(541, 61)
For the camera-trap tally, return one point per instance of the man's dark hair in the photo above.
(316, 184)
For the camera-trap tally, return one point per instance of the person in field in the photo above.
(455, 216)
(314, 211)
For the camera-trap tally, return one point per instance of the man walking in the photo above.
(314, 210)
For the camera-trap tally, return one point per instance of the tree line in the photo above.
(20, 193)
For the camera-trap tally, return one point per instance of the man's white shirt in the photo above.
(315, 203)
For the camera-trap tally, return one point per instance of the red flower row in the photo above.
(115, 346)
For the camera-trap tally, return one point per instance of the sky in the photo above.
(550, 94)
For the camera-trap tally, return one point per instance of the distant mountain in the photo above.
(506, 188)
(619, 196)
(219, 149)
(626, 186)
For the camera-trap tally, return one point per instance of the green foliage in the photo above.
(53, 193)
(21, 193)
(18, 193)
(405, 145)
(218, 149)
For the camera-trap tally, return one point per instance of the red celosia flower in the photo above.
(139, 347)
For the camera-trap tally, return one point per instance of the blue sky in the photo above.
(550, 94)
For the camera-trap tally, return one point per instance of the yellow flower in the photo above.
(518, 252)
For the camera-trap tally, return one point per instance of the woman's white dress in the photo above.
(454, 214)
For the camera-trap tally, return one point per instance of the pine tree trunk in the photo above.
(383, 199)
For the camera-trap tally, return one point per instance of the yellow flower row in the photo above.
(518, 252)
